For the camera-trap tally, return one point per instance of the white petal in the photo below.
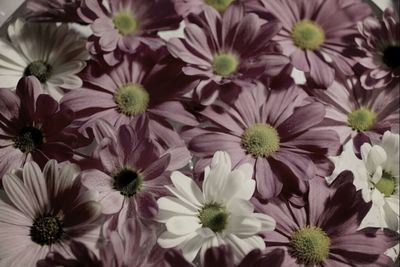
(393, 203)
(169, 240)
(391, 218)
(375, 158)
(242, 246)
(171, 206)
(238, 186)
(187, 188)
(242, 225)
(191, 248)
(183, 225)
(365, 149)
(247, 170)
(377, 175)
(240, 207)
(267, 222)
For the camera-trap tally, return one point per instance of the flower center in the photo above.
(132, 99)
(308, 35)
(46, 230)
(125, 23)
(40, 69)
(387, 184)
(214, 216)
(219, 5)
(225, 64)
(309, 245)
(361, 119)
(29, 139)
(391, 56)
(261, 140)
(127, 182)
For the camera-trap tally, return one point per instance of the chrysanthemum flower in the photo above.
(54, 10)
(276, 131)
(219, 214)
(43, 212)
(227, 52)
(125, 25)
(223, 256)
(52, 53)
(313, 40)
(354, 112)
(132, 174)
(32, 128)
(185, 7)
(377, 175)
(139, 88)
(381, 45)
(325, 231)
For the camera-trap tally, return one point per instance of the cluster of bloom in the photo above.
(123, 149)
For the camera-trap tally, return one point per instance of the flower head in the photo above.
(219, 214)
(33, 128)
(225, 53)
(43, 212)
(53, 53)
(380, 42)
(324, 232)
(272, 130)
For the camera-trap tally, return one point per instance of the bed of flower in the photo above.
(121, 148)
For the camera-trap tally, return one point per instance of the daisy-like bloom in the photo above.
(124, 25)
(185, 7)
(325, 231)
(43, 212)
(54, 10)
(223, 256)
(132, 174)
(381, 45)
(227, 52)
(377, 175)
(314, 42)
(219, 214)
(52, 53)
(276, 131)
(357, 113)
(32, 128)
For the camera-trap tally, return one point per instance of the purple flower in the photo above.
(43, 212)
(276, 131)
(32, 128)
(313, 40)
(126, 25)
(185, 7)
(325, 231)
(225, 53)
(54, 10)
(381, 45)
(223, 256)
(139, 89)
(357, 113)
(132, 174)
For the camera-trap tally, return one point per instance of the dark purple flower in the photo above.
(32, 128)
(222, 256)
(225, 53)
(354, 112)
(276, 131)
(313, 40)
(54, 10)
(381, 44)
(126, 25)
(325, 232)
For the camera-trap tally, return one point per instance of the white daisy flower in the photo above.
(51, 52)
(196, 220)
(377, 175)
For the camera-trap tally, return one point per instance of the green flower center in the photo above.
(127, 182)
(214, 216)
(40, 69)
(29, 139)
(309, 245)
(219, 5)
(46, 230)
(132, 99)
(387, 184)
(225, 64)
(261, 140)
(391, 56)
(308, 35)
(125, 23)
(361, 119)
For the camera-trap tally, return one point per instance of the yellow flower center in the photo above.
(361, 119)
(125, 23)
(225, 64)
(308, 35)
(219, 5)
(261, 140)
(132, 99)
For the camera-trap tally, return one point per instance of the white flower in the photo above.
(51, 52)
(221, 214)
(377, 175)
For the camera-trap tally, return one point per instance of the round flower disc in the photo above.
(127, 182)
(361, 119)
(219, 5)
(225, 64)
(29, 139)
(261, 140)
(214, 216)
(391, 56)
(308, 35)
(125, 23)
(132, 99)
(46, 230)
(41, 70)
(386, 185)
